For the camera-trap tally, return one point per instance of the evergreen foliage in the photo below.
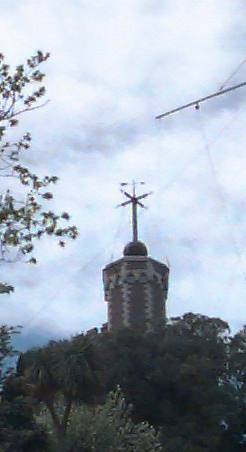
(6, 350)
(19, 432)
(67, 370)
(106, 428)
(187, 380)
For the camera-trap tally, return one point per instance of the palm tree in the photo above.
(62, 371)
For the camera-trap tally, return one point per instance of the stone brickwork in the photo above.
(136, 291)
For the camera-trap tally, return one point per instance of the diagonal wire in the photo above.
(221, 196)
(121, 223)
(232, 74)
(117, 124)
(176, 178)
(83, 267)
(47, 302)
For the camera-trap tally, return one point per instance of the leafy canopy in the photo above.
(24, 216)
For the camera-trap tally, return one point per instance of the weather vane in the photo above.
(135, 202)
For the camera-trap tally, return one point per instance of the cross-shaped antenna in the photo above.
(135, 201)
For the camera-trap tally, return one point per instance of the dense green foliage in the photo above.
(183, 380)
(6, 350)
(19, 432)
(187, 380)
(67, 369)
(106, 428)
(18, 429)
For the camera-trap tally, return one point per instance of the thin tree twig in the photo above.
(29, 109)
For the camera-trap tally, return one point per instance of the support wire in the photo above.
(221, 196)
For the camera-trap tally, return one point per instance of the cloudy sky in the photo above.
(114, 66)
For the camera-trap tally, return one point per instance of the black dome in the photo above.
(135, 249)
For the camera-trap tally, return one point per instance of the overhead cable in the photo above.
(232, 74)
(221, 197)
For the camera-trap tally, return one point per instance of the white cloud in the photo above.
(114, 66)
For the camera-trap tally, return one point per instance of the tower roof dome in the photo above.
(135, 249)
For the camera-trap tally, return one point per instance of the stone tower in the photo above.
(135, 285)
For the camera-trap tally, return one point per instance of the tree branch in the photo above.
(29, 109)
(66, 414)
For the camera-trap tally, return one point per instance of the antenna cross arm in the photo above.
(202, 99)
(127, 194)
(135, 202)
(123, 204)
(144, 196)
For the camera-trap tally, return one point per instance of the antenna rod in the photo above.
(134, 213)
(134, 200)
(198, 101)
(134, 221)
